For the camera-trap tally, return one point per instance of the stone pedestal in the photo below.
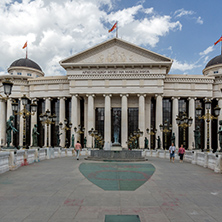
(115, 155)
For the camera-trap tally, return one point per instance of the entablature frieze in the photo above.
(116, 76)
(207, 80)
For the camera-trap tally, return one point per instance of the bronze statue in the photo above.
(9, 129)
(197, 137)
(73, 141)
(35, 136)
(220, 135)
(146, 143)
(85, 141)
(158, 142)
(58, 138)
(173, 138)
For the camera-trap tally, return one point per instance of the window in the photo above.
(215, 72)
(19, 73)
(12, 73)
(29, 74)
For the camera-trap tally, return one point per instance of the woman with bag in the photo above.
(181, 153)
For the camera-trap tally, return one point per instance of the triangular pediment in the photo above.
(115, 51)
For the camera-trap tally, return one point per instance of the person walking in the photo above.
(78, 148)
(172, 150)
(181, 153)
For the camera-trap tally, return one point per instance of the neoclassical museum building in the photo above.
(115, 88)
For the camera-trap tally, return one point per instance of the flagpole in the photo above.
(117, 29)
(27, 52)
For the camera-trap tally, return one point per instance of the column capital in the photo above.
(159, 94)
(144, 95)
(62, 97)
(121, 95)
(110, 95)
(87, 95)
(175, 97)
(189, 98)
(45, 98)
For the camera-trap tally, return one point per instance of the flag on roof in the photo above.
(114, 26)
(25, 45)
(219, 40)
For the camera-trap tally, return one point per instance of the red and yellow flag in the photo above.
(114, 26)
(25, 45)
(219, 40)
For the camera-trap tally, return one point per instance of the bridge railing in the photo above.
(11, 160)
(205, 159)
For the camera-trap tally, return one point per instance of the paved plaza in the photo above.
(65, 190)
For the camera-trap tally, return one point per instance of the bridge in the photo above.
(64, 189)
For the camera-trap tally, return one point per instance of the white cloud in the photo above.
(56, 29)
(199, 20)
(182, 12)
(207, 51)
(177, 65)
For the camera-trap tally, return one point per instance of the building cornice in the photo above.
(188, 79)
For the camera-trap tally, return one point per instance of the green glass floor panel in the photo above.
(122, 218)
(117, 176)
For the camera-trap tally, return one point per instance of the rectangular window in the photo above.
(29, 74)
(19, 73)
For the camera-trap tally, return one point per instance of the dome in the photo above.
(215, 61)
(25, 62)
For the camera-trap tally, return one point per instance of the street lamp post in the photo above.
(7, 84)
(25, 113)
(47, 118)
(137, 134)
(151, 133)
(165, 128)
(65, 128)
(93, 133)
(208, 116)
(184, 122)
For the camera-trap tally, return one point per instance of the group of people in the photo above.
(172, 151)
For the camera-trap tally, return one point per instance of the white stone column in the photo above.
(205, 133)
(142, 119)
(124, 121)
(192, 127)
(91, 118)
(174, 124)
(148, 120)
(3, 122)
(62, 108)
(33, 122)
(159, 117)
(9, 113)
(86, 119)
(219, 118)
(107, 123)
(75, 118)
(21, 125)
(48, 106)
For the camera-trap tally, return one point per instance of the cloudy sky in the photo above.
(55, 29)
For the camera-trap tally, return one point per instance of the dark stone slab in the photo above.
(123, 155)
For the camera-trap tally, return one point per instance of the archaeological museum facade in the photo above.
(116, 90)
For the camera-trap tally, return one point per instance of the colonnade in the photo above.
(144, 118)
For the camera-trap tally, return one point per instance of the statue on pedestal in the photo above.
(220, 135)
(146, 141)
(9, 129)
(173, 138)
(197, 137)
(58, 138)
(85, 141)
(158, 142)
(35, 136)
(73, 141)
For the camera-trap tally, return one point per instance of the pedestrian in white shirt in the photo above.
(172, 151)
